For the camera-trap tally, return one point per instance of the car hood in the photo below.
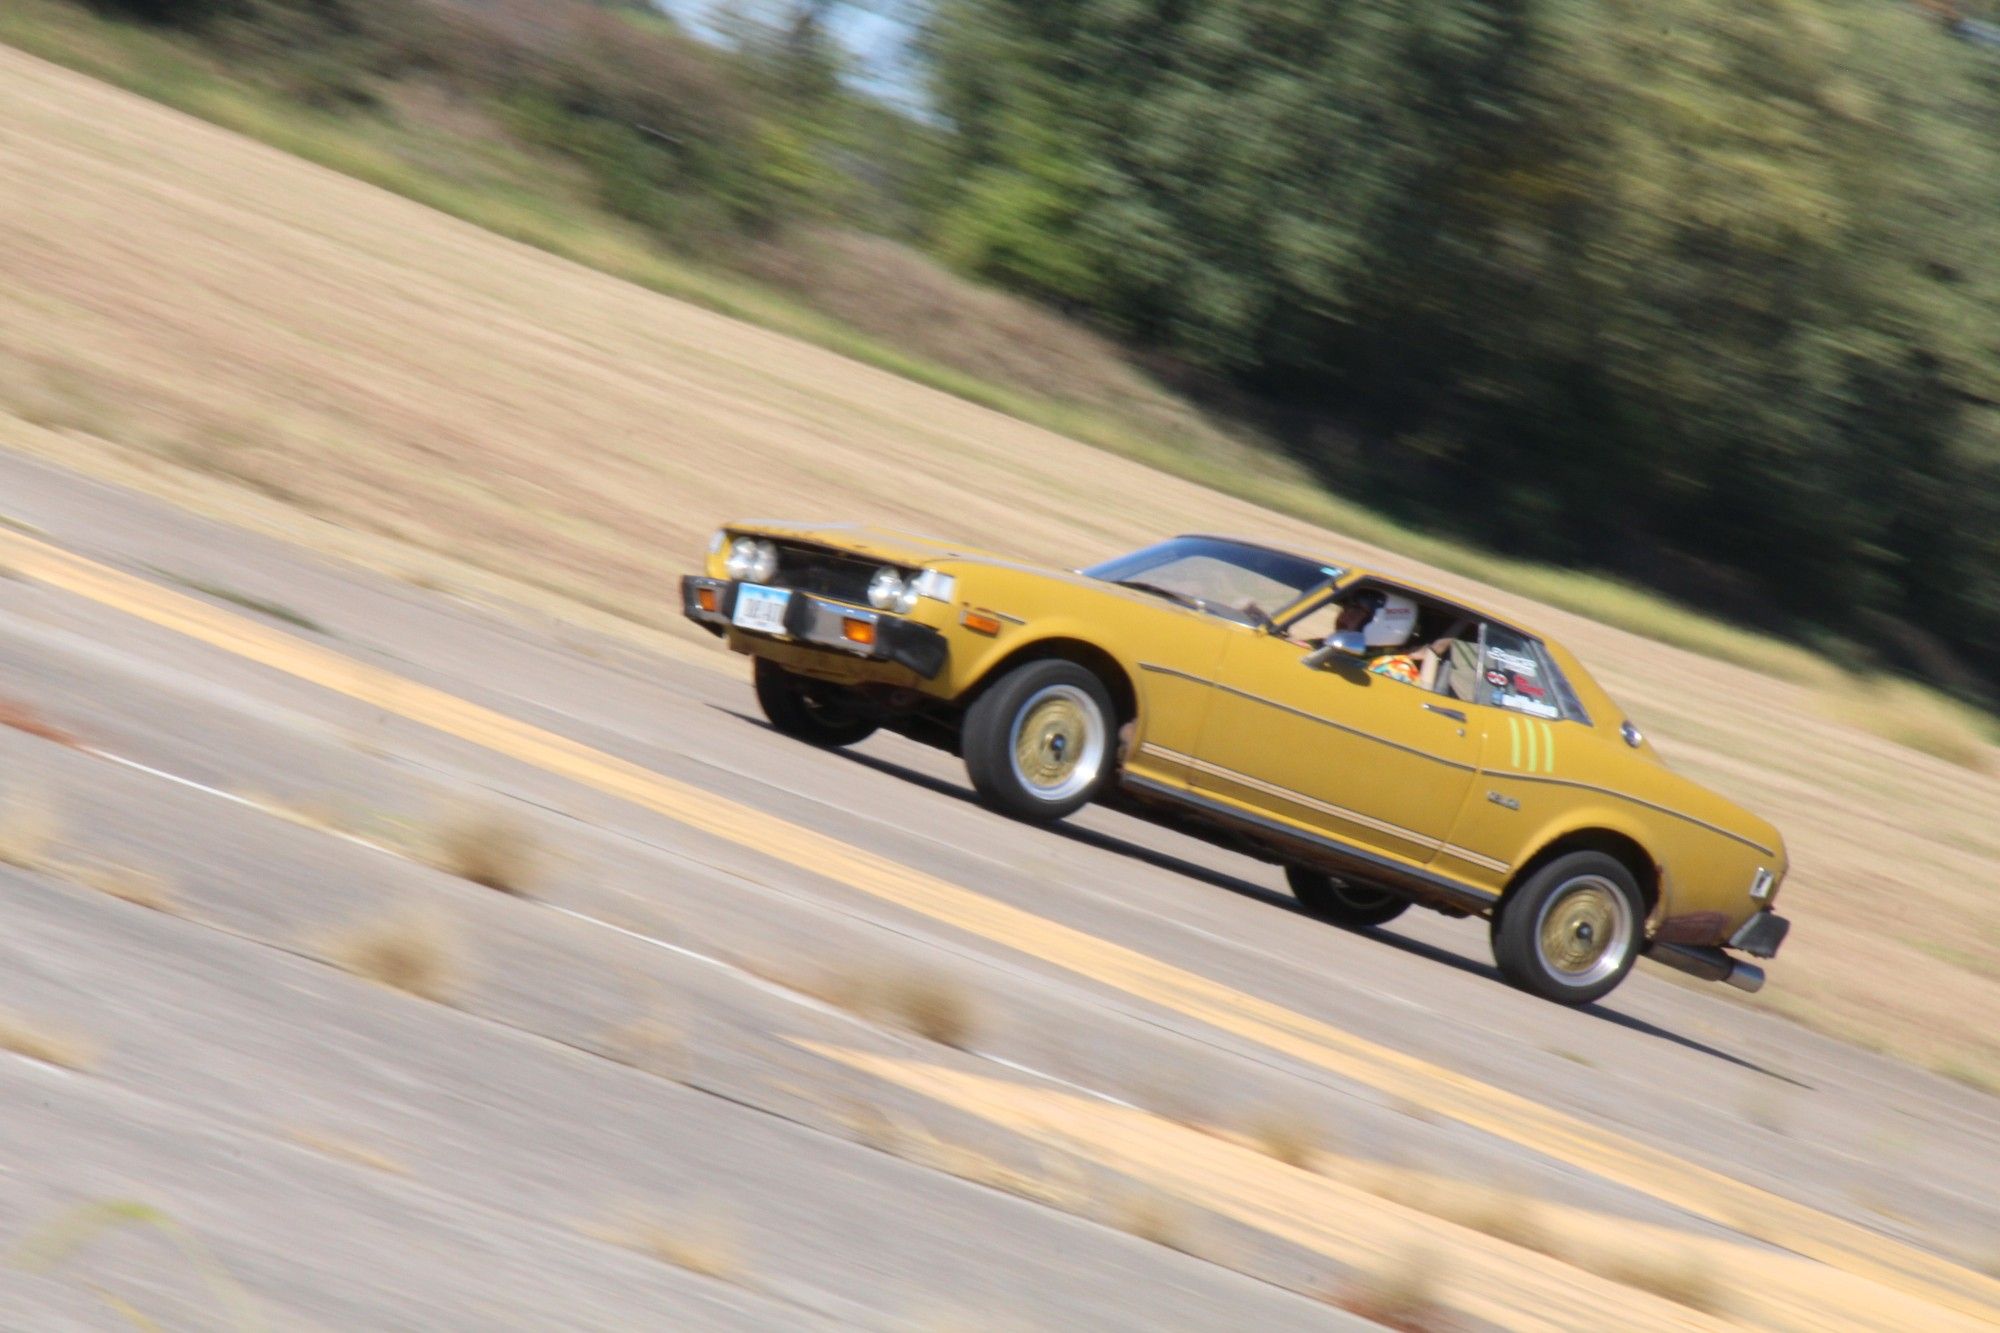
(889, 545)
(893, 546)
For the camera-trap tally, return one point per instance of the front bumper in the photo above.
(820, 623)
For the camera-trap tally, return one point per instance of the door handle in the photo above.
(1451, 713)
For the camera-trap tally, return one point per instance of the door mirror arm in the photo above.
(1347, 643)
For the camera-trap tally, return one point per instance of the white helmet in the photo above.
(1394, 621)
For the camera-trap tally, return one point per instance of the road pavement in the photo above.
(780, 1038)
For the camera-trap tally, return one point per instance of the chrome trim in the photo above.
(1326, 807)
(1453, 763)
(1451, 713)
(1470, 896)
(997, 615)
(1310, 717)
(1296, 797)
(1452, 849)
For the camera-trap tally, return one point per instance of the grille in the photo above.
(811, 569)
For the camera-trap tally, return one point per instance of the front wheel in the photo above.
(1572, 931)
(1342, 903)
(810, 710)
(1038, 743)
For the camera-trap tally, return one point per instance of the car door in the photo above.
(1177, 658)
(1538, 744)
(1364, 759)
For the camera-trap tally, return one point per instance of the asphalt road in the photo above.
(674, 1085)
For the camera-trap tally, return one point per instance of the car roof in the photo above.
(1355, 573)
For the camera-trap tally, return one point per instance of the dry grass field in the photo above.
(258, 338)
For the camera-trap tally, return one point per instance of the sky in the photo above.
(876, 33)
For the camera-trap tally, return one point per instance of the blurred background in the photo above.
(1698, 294)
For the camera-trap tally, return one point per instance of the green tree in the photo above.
(1664, 288)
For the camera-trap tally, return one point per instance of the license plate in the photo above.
(762, 609)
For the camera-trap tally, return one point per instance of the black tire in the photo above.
(810, 710)
(1342, 903)
(1571, 931)
(1039, 744)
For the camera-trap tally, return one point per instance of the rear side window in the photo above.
(1572, 706)
(1514, 674)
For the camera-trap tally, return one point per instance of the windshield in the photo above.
(1234, 580)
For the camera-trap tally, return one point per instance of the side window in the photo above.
(1572, 706)
(1315, 624)
(1513, 674)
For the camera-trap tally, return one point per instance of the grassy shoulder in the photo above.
(471, 169)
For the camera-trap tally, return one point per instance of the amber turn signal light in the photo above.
(980, 621)
(706, 596)
(858, 631)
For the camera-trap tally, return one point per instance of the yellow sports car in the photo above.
(1386, 744)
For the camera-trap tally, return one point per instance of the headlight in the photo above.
(763, 562)
(742, 554)
(930, 583)
(886, 590)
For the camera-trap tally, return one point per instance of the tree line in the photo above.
(1704, 293)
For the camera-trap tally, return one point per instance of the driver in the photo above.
(1386, 621)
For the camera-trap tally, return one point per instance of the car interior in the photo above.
(1444, 645)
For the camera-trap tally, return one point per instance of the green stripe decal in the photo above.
(1549, 754)
(1514, 736)
(1533, 763)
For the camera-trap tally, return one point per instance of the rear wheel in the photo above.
(1038, 743)
(1571, 932)
(1343, 903)
(809, 710)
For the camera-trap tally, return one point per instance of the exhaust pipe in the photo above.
(1709, 964)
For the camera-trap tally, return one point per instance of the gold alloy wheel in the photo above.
(1058, 742)
(1585, 930)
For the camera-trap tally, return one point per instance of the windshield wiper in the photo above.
(1139, 585)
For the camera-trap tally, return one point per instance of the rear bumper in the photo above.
(1761, 935)
(819, 623)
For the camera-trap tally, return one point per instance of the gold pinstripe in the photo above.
(1287, 794)
(1324, 807)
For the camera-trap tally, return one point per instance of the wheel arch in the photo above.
(1622, 847)
(1107, 668)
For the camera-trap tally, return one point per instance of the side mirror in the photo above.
(1343, 643)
